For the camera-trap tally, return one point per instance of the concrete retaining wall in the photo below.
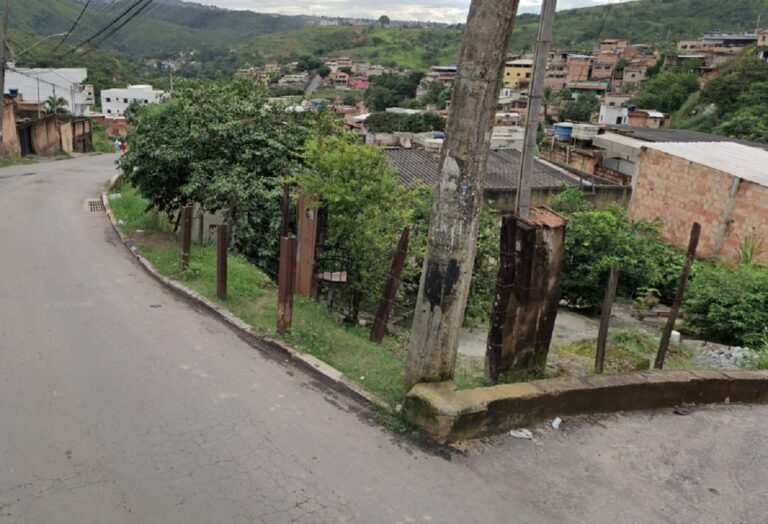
(448, 415)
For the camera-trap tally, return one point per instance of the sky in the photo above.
(448, 11)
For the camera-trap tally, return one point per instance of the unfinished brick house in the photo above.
(721, 185)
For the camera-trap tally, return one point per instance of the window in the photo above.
(109, 99)
(619, 120)
(125, 100)
(146, 101)
(109, 110)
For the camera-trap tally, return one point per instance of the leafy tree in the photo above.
(383, 122)
(308, 63)
(597, 240)
(391, 90)
(324, 71)
(384, 20)
(223, 146)
(365, 206)
(581, 109)
(667, 91)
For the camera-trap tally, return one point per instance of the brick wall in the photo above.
(749, 218)
(682, 192)
(559, 154)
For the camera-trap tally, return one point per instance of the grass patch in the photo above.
(630, 350)
(8, 162)
(252, 296)
(101, 142)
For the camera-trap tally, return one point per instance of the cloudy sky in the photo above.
(435, 10)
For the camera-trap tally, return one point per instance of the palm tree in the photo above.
(55, 106)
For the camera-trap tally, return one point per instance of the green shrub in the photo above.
(597, 240)
(730, 305)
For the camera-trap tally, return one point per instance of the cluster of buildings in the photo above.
(716, 48)
(45, 111)
(347, 74)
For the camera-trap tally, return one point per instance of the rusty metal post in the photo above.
(504, 282)
(286, 283)
(186, 235)
(222, 243)
(390, 289)
(693, 243)
(605, 319)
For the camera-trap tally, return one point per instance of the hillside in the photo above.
(647, 21)
(411, 48)
(163, 28)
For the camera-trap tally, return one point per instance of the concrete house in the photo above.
(114, 102)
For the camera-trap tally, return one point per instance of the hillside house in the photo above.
(578, 68)
(40, 84)
(115, 101)
(762, 44)
(518, 73)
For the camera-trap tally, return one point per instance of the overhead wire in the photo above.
(131, 12)
(74, 25)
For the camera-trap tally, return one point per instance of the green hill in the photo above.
(643, 21)
(160, 29)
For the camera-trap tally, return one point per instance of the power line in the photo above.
(112, 23)
(141, 12)
(77, 21)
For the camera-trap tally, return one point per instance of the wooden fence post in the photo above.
(390, 289)
(286, 283)
(689, 258)
(222, 243)
(186, 235)
(605, 318)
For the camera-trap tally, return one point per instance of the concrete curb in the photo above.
(314, 366)
(448, 415)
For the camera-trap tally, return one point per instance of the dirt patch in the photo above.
(152, 239)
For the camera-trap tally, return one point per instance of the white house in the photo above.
(40, 84)
(114, 102)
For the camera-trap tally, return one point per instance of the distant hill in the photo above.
(643, 21)
(166, 27)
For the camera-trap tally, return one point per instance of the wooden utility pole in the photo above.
(459, 196)
(222, 245)
(390, 289)
(546, 26)
(693, 243)
(605, 319)
(3, 62)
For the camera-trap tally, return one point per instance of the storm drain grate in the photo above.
(95, 205)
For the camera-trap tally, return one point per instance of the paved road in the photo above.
(113, 409)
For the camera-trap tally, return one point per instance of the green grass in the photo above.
(101, 143)
(252, 296)
(8, 162)
(630, 350)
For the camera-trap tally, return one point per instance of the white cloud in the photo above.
(450, 11)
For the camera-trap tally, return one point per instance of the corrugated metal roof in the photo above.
(738, 160)
(419, 168)
(677, 135)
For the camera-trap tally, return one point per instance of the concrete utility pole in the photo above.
(459, 197)
(546, 26)
(3, 61)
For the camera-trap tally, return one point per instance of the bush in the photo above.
(730, 305)
(597, 240)
(383, 122)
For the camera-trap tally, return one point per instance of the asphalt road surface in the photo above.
(121, 403)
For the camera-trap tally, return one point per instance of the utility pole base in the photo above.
(531, 309)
